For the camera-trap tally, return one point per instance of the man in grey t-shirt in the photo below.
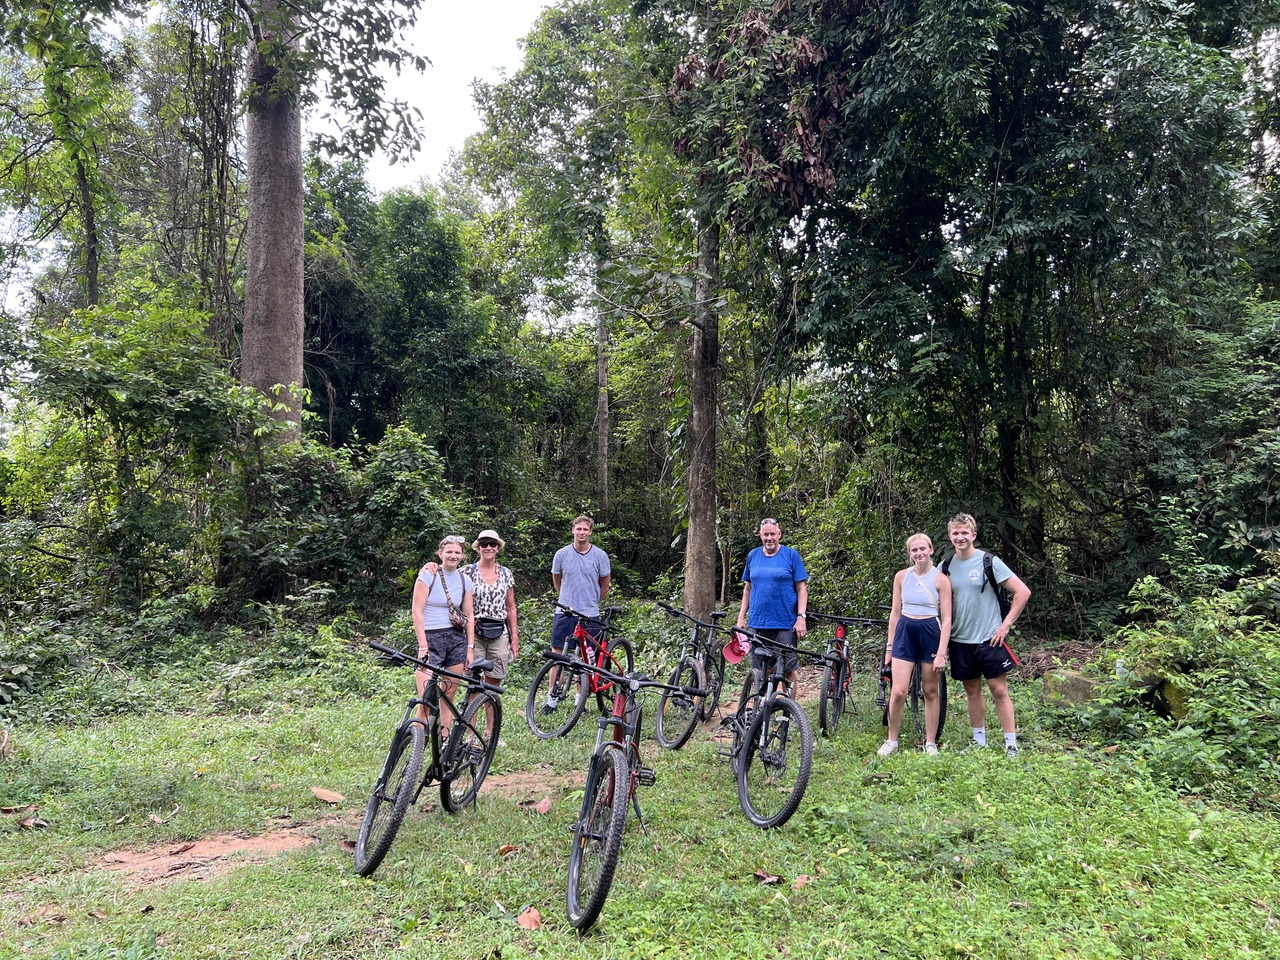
(580, 573)
(581, 576)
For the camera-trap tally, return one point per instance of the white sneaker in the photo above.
(931, 749)
(886, 748)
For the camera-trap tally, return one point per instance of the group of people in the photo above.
(933, 614)
(464, 613)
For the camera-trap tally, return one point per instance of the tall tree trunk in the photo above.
(271, 351)
(91, 268)
(602, 406)
(704, 399)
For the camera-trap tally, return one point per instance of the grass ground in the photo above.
(1056, 854)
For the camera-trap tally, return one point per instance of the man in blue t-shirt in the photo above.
(775, 595)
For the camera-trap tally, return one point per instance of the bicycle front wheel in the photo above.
(621, 659)
(557, 697)
(597, 837)
(391, 797)
(773, 770)
(831, 704)
(678, 712)
(469, 752)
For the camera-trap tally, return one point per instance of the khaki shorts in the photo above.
(498, 650)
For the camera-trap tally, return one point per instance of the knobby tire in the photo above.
(392, 794)
(678, 712)
(570, 703)
(774, 767)
(469, 752)
(597, 837)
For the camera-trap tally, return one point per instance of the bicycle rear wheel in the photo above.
(597, 837)
(917, 704)
(831, 703)
(469, 752)
(392, 794)
(774, 767)
(620, 659)
(678, 712)
(552, 711)
(713, 676)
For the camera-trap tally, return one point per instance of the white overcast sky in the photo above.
(464, 41)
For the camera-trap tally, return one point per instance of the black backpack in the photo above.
(988, 576)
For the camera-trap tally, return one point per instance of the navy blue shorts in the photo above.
(762, 654)
(972, 660)
(562, 629)
(917, 640)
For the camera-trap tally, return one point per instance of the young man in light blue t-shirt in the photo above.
(580, 575)
(978, 633)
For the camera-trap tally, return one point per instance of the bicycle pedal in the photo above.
(646, 776)
(724, 753)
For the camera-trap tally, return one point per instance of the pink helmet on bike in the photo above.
(737, 648)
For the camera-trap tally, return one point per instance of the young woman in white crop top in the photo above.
(919, 630)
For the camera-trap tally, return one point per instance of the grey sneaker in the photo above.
(1011, 750)
(931, 749)
(887, 748)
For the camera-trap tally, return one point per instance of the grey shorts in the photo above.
(446, 648)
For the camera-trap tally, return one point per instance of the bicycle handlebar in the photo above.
(474, 678)
(677, 612)
(757, 638)
(848, 621)
(634, 683)
(604, 619)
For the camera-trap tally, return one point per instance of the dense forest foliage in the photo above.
(856, 266)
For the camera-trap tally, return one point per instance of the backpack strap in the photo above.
(989, 571)
(944, 567)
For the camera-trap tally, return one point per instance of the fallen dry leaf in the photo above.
(147, 909)
(155, 818)
(530, 919)
(767, 878)
(801, 880)
(328, 796)
(10, 811)
(1111, 749)
(543, 805)
(182, 849)
(98, 914)
(506, 849)
(32, 823)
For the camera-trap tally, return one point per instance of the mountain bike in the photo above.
(839, 668)
(915, 701)
(700, 666)
(459, 763)
(558, 694)
(772, 749)
(613, 774)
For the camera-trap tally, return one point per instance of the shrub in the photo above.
(1191, 690)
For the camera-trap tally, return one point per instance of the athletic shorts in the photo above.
(916, 640)
(446, 648)
(972, 660)
(562, 628)
(762, 654)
